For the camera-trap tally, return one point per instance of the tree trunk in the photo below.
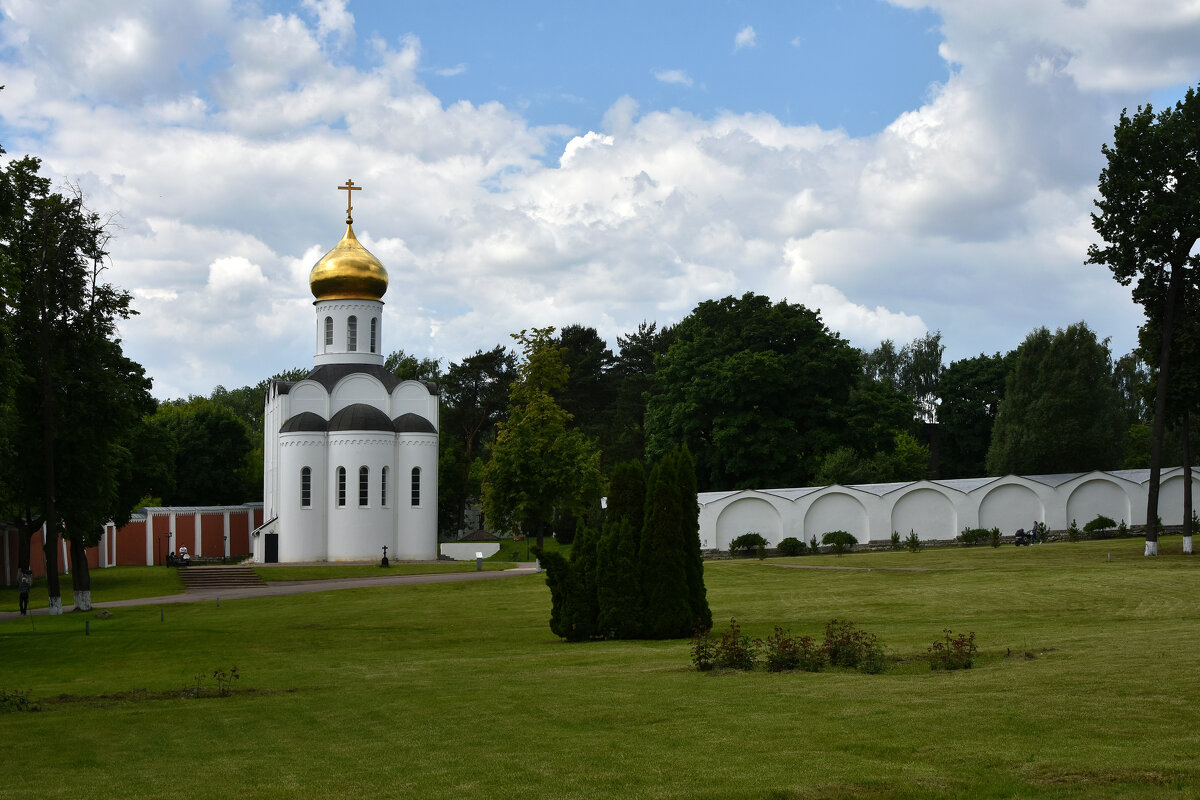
(48, 506)
(1174, 287)
(1187, 485)
(81, 578)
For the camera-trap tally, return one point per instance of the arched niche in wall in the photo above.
(1096, 497)
(309, 396)
(1010, 506)
(358, 388)
(1170, 499)
(837, 511)
(747, 515)
(926, 511)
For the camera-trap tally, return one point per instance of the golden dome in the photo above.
(348, 271)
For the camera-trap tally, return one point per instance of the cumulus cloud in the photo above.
(744, 38)
(673, 76)
(946, 219)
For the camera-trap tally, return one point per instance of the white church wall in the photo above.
(836, 509)
(358, 388)
(340, 311)
(416, 524)
(300, 529)
(357, 532)
(748, 515)
(925, 510)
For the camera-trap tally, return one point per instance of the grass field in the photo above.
(1086, 687)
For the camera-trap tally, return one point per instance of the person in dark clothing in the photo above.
(24, 584)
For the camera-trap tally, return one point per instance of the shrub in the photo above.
(994, 537)
(791, 546)
(762, 551)
(812, 545)
(847, 645)
(912, 542)
(972, 536)
(12, 701)
(896, 541)
(1100, 523)
(747, 541)
(1123, 529)
(736, 650)
(783, 652)
(840, 540)
(704, 649)
(1073, 532)
(956, 652)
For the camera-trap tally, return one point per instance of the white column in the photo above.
(198, 534)
(226, 515)
(150, 540)
(171, 532)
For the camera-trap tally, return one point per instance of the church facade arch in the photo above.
(358, 388)
(1170, 497)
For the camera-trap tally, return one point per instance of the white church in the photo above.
(351, 452)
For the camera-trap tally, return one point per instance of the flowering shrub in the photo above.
(847, 645)
(736, 650)
(956, 652)
(704, 649)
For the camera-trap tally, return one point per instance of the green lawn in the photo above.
(113, 583)
(1087, 687)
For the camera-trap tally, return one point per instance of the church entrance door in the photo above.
(272, 548)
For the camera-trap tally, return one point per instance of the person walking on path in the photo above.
(24, 584)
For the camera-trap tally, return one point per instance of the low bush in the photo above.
(847, 645)
(1100, 523)
(956, 652)
(896, 545)
(812, 545)
(12, 701)
(973, 536)
(704, 649)
(784, 652)
(791, 546)
(748, 542)
(736, 650)
(1073, 532)
(841, 541)
(994, 537)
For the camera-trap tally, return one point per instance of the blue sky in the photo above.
(902, 167)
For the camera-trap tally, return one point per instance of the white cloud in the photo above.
(450, 72)
(946, 219)
(746, 37)
(673, 76)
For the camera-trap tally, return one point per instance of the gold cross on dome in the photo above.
(349, 187)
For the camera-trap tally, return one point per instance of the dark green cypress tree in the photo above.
(689, 519)
(618, 582)
(562, 592)
(668, 612)
(627, 495)
(583, 569)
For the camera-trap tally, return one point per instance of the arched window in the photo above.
(364, 476)
(351, 334)
(374, 328)
(416, 486)
(341, 480)
(383, 489)
(329, 331)
(306, 487)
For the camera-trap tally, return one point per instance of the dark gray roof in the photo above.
(413, 423)
(360, 417)
(329, 374)
(305, 421)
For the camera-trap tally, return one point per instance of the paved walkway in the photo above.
(277, 588)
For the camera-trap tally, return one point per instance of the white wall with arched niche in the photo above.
(1170, 498)
(747, 515)
(1098, 497)
(413, 397)
(836, 510)
(1010, 506)
(926, 511)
